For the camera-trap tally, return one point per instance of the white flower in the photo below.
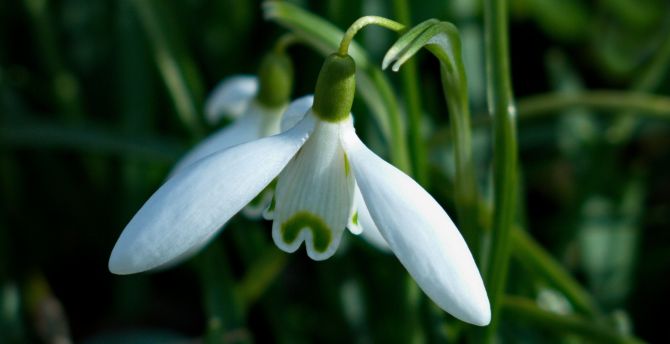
(320, 162)
(319, 166)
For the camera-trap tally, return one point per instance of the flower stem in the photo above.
(176, 67)
(410, 84)
(502, 109)
(285, 41)
(363, 22)
(465, 185)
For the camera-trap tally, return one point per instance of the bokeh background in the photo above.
(99, 98)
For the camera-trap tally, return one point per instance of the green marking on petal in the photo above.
(354, 219)
(259, 198)
(347, 168)
(271, 208)
(321, 234)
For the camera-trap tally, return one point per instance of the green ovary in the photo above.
(321, 234)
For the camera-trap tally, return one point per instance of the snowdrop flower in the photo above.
(320, 163)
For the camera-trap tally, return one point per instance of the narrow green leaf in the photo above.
(535, 259)
(443, 41)
(518, 308)
(175, 66)
(505, 154)
(608, 101)
(87, 138)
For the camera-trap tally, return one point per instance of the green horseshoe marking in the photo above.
(321, 234)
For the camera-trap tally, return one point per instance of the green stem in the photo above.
(609, 101)
(221, 300)
(536, 260)
(410, 84)
(285, 41)
(361, 23)
(87, 138)
(521, 308)
(398, 143)
(502, 109)
(465, 184)
(260, 276)
(63, 83)
(173, 67)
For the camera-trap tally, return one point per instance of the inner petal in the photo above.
(314, 195)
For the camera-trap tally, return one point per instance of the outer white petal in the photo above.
(296, 111)
(368, 228)
(314, 195)
(256, 122)
(190, 207)
(421, 234)
(230, 97)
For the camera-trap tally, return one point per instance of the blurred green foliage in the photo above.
(99, 98)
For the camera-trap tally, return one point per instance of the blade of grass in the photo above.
(536, 260)
(87, 138)
(410, 85)
(610, 101)
(502, 109)
(63, 84)
(260, 275)
(519, 308)
(442, 39)
(176, 67)
(221, 300)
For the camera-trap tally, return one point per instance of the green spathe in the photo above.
(321, 234)
(335, 88)
(275, 80)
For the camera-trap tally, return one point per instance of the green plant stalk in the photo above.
(88, 138)
(465, 184)
(610, 101)
(398, 143)
(502, 109)
(536, 260)
(410, 85)
(260, 276)
(442, 39)
(362, 22)
(63, 83)
(173, 68)
(521, 308)
(648, 80)
(455, 88)
(222, 303)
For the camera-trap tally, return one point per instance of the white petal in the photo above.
(421, 234)
(256, 122)
(296, 111)
(230, 97)
(191, 206)
(314, 195)
(367, 227)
